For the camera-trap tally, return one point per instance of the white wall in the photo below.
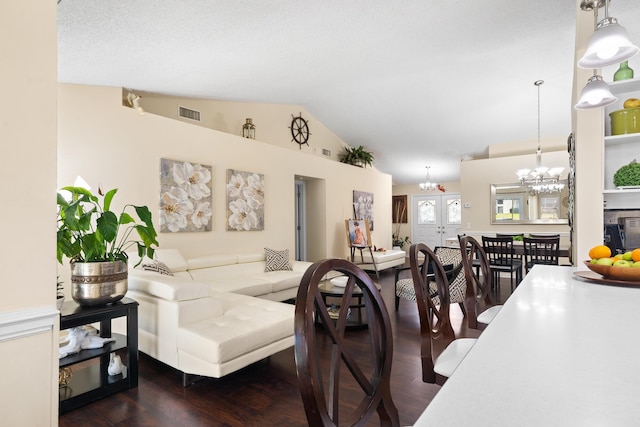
(476, 177)
(114, 146)
(28, 318)
(272, 121)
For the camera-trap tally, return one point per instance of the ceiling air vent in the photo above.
(189, 114)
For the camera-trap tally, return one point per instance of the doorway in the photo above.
(435, 218)
(300, 222)
(310, 218)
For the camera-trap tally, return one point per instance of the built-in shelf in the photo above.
(620, 150)
(616, 191)
(624, 86)
(622, 139)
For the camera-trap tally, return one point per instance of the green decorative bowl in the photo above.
(625, 121)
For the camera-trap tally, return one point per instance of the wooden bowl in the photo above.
(627, 274)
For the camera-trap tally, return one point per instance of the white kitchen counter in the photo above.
(561, 352)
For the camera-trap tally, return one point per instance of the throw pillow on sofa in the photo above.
(158, 267)
(276, 260)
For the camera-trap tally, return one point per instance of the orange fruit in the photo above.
(635, 255)
(600, 251)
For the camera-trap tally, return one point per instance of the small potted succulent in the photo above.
(90, 235)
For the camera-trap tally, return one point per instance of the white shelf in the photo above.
(620, 149)
(616, 191)
(624, 86)
(622, 139)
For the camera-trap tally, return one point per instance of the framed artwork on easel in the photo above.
(358, 233)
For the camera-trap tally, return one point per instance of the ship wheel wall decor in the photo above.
(300, 130)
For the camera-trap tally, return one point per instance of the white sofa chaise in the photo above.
(380, 260)
(216, 314)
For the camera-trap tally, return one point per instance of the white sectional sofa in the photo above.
(380, 261)
(215, 314)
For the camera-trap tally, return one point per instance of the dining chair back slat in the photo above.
(502, 258)
(366, 375)
(541, 250)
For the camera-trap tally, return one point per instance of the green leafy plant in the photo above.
(400, 241)
(627, 175)
(89, 232)
(356, 155)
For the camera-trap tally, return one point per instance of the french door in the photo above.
(435, 218)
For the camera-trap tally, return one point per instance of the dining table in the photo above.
(518, 247)
(563, 351)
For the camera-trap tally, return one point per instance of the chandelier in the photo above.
(541, 179)
(428, 185)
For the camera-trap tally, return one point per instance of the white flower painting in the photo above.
(245, 201)
(185, 196)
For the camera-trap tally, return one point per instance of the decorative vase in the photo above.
(98, 283)
(624, 72)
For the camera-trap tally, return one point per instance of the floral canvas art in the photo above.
(185, 196)
(245, 201)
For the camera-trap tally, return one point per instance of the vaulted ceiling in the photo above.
(418, 82)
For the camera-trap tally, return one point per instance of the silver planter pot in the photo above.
(98, 283)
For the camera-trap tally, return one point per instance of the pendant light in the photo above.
(596, 93)
(609, 44)
(541, 179)
(428, 185)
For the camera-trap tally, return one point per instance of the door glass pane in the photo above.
(426, 212)
(454, 214)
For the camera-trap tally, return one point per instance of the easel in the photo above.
(355, 234)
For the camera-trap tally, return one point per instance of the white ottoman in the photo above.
(383, 260)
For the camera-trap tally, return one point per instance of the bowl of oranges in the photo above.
(625, 267)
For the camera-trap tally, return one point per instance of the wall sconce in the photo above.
(249, 129)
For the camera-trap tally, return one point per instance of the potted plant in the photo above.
(395, 236)
(90, 235)
(357, 156)
(400, 241)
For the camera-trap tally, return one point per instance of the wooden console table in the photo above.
(90, 381)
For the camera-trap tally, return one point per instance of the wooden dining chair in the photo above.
(436, 332)
(502, 259)
(362, 374)
(452, 263)
(479, 303)
(541, 250)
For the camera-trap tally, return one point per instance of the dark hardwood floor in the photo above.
(265, 393)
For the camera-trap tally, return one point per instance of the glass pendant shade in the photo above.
(608, 45)
(595, 94)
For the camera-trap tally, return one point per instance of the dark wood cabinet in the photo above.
(90, 380)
